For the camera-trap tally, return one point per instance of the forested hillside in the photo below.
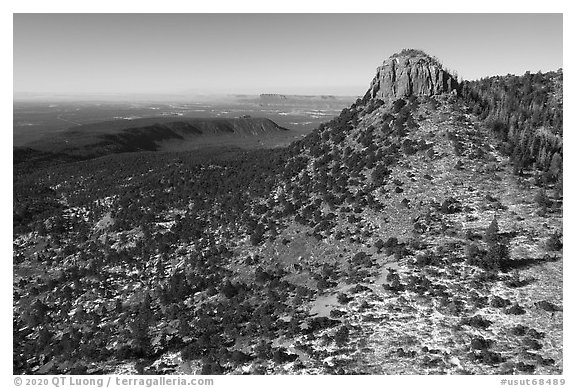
(526, 113)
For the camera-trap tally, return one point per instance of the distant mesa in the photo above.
(273, 96)
(411, 73)
(154, 134)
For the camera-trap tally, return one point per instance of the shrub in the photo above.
(342, 336)
(400, 352)
(411, 123)
(476, 321)
(531, 343)
(280, 356)
(343, 298)
(428, 258)
(380, 173)
(229, 290)
(516, 309)
(263, 350)
(395, 285)
(489, 357)
(337, 313)
(535, 333)
(525, 368)
(478, 300)
(239, 357)
(391, 242)
(257, 237)
(499, 302)
(547, 306)
(451, 206)
(373, 106)
(480, 343)
(518, 330)
(554, 242)
(472, 251)
(361, 258)
(398, 105)
(379, 245)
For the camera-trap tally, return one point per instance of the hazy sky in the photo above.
(266, 53)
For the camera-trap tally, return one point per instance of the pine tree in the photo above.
(491, 235)
(556, 165)
(497, 252)
(542, 200)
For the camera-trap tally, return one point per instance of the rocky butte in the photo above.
(411, 72)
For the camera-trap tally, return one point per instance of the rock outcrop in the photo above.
(411, 72)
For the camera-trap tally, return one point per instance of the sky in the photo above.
(265, 53)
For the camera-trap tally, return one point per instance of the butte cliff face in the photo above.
(411, 72)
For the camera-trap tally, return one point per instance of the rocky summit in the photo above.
(411, 72)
